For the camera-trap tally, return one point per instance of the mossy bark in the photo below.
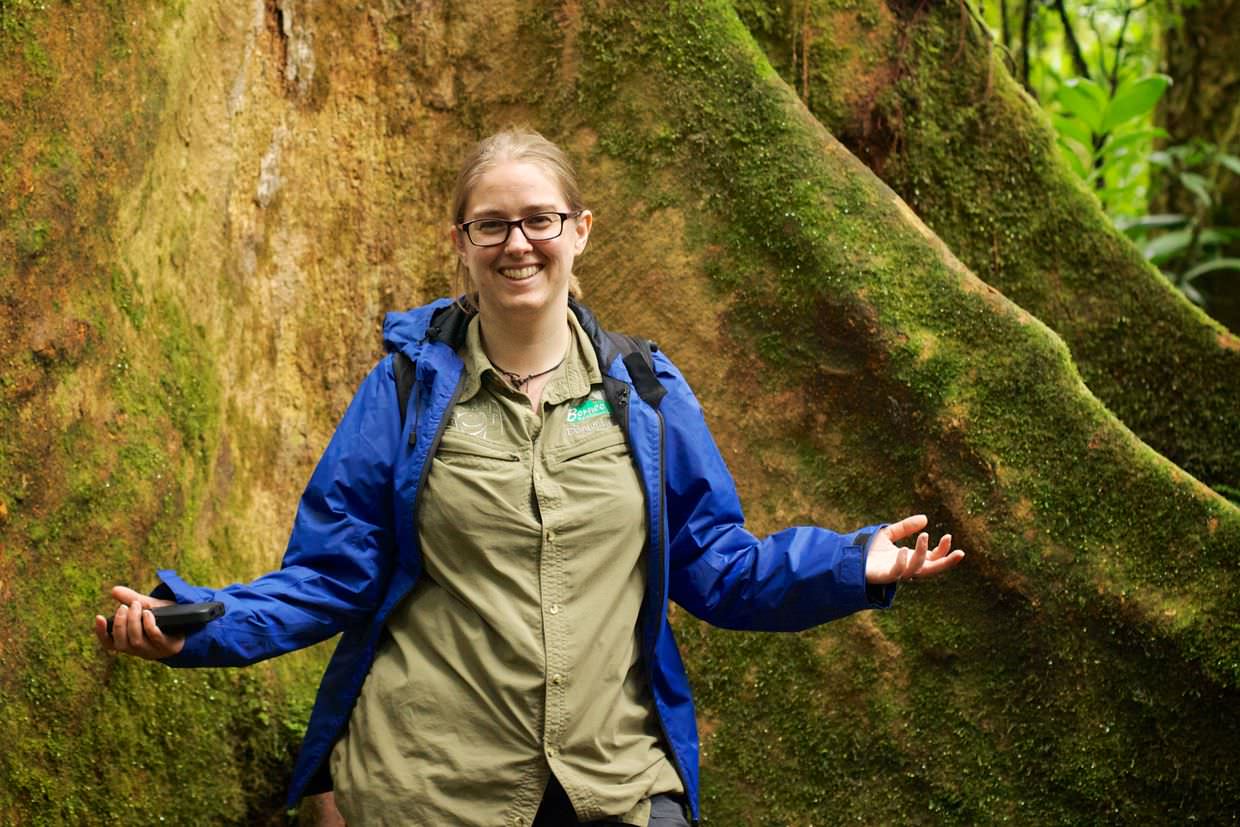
(893, 367)
(916, 91)
(110, 403)
(289, 187)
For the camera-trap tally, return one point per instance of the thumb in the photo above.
(906, 527)
(126, 595)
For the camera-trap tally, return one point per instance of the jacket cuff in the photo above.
(877, 595)
(172, 587)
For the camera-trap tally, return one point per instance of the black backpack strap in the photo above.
(405, 372)
(638, 357)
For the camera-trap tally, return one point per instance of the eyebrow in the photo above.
(533, 209)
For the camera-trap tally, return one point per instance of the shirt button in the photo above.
(554, 608)
(550, 536)
(551, 752)
(557, 679)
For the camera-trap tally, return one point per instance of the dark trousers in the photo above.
(557, 811)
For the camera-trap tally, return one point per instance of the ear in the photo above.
(582, 231)
(458, 240)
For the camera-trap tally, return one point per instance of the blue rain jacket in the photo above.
(353, 553)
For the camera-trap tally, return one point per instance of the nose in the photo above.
(517, 242)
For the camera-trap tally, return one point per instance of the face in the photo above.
(520, 277)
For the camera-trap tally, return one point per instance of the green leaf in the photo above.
(1084, 99)
(1194, 295)
(1215, 236)
(1147, 222)
(1167, 245)
(1198, 186)
(1125, 142)
(1226, 234)
(1161, 158)
(1212, 266)
(1074, 160)
(1119, 162)
(1230, 161)
(1134, 100)
(1074, 129)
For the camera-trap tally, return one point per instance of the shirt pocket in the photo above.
(605, 445)
(461, 451)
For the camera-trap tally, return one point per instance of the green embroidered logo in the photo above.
(588, 409)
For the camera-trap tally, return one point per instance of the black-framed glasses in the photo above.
(491, 232)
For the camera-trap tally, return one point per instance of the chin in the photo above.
(531, 296)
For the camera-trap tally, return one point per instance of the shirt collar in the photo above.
(579, 371)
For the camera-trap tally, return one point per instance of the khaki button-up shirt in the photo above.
(517, 654)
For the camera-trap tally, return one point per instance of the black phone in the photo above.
(183, 617)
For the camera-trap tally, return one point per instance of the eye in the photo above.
(541, 221)
(489, 226)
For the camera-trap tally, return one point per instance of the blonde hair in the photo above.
(513, 144)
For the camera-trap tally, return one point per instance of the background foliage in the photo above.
(1099, 69)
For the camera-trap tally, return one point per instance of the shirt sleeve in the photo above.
(794, 579)
(339, 554)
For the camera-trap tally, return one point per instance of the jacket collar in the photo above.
(447, 322)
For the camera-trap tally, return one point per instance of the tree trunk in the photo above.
(914, 91)
(1203, 103)
(282, 175)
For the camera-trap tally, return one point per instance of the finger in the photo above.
(155, 637)
(154, 634)
(126, 595)
(901, 563)
(120, 629)
(162, 645)
(137, 638)
(101, 632)
(906, 527)
(944, 546)
(936, 567)
(918, 557)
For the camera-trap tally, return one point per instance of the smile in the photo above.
(520, 273)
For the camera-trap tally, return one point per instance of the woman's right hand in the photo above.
(133, 627)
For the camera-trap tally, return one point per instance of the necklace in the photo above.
(518, 381)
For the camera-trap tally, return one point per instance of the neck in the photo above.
(525, 345)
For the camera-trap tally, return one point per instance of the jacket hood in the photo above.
(404, 328)
(444, 320)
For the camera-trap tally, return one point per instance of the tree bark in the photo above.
(923, 102)
(288, 187)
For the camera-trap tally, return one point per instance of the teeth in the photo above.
(518, 273)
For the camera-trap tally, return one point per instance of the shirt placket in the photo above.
(528, 427)
(553, 591)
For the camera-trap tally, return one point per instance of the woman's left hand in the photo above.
(888, 563)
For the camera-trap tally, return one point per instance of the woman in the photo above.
(500, 555)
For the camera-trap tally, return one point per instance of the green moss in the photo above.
(968, 152)
(111, 404)
(32, 239)
(1058, 655)
(125, 297)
